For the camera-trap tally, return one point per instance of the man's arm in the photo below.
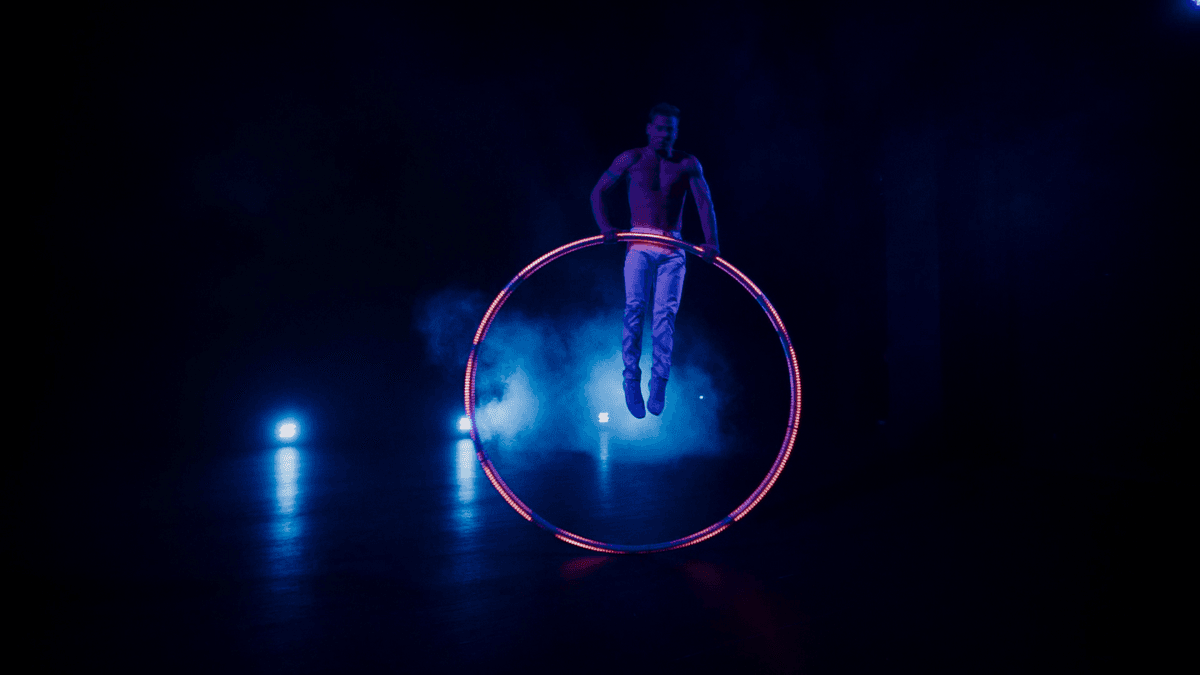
(610, 178)
(708, 215)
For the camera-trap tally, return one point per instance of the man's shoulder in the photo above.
(630, 156)
(688, 161)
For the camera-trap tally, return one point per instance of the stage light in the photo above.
(464, 424)
(287, 430)
(603, 418)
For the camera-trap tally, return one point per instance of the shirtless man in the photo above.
(659, 179)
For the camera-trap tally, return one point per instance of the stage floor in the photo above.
(402, 556)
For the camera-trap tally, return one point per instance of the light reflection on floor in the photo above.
(465, 519)
(602, 472)
(285, 550)
(465, 466)
(287, 474)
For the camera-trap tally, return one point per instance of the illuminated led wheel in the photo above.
(789, 437)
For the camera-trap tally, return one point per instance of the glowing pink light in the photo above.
(785, 450)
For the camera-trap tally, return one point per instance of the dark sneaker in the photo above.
(658, 392)
(633, 398)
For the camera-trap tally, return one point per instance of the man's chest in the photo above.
(654, 173)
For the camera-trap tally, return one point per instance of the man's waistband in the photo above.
(646, 229)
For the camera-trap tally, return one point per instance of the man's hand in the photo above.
(610, 236)
(710, 252)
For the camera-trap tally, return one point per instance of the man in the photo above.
(659, 180)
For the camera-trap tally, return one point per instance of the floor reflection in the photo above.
(285, 551)
(287, 476)
(465, 470)
(465, 521)
(602, 472)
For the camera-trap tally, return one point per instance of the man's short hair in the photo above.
(664, 109)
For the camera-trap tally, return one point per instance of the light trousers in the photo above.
(653, 281)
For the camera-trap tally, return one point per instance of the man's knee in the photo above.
(666, 313)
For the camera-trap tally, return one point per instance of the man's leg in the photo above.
(639, 271)
(667, 293)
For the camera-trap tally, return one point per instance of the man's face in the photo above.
(662, 131)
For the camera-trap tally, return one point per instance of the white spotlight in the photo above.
(287, 430)
(464, 424)
(604, 418)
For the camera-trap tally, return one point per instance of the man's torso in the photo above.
(658, 187)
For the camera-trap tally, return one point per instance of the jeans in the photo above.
(652, 274)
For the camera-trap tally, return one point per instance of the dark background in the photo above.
(977, 219)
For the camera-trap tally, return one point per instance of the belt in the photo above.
(645, 229)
